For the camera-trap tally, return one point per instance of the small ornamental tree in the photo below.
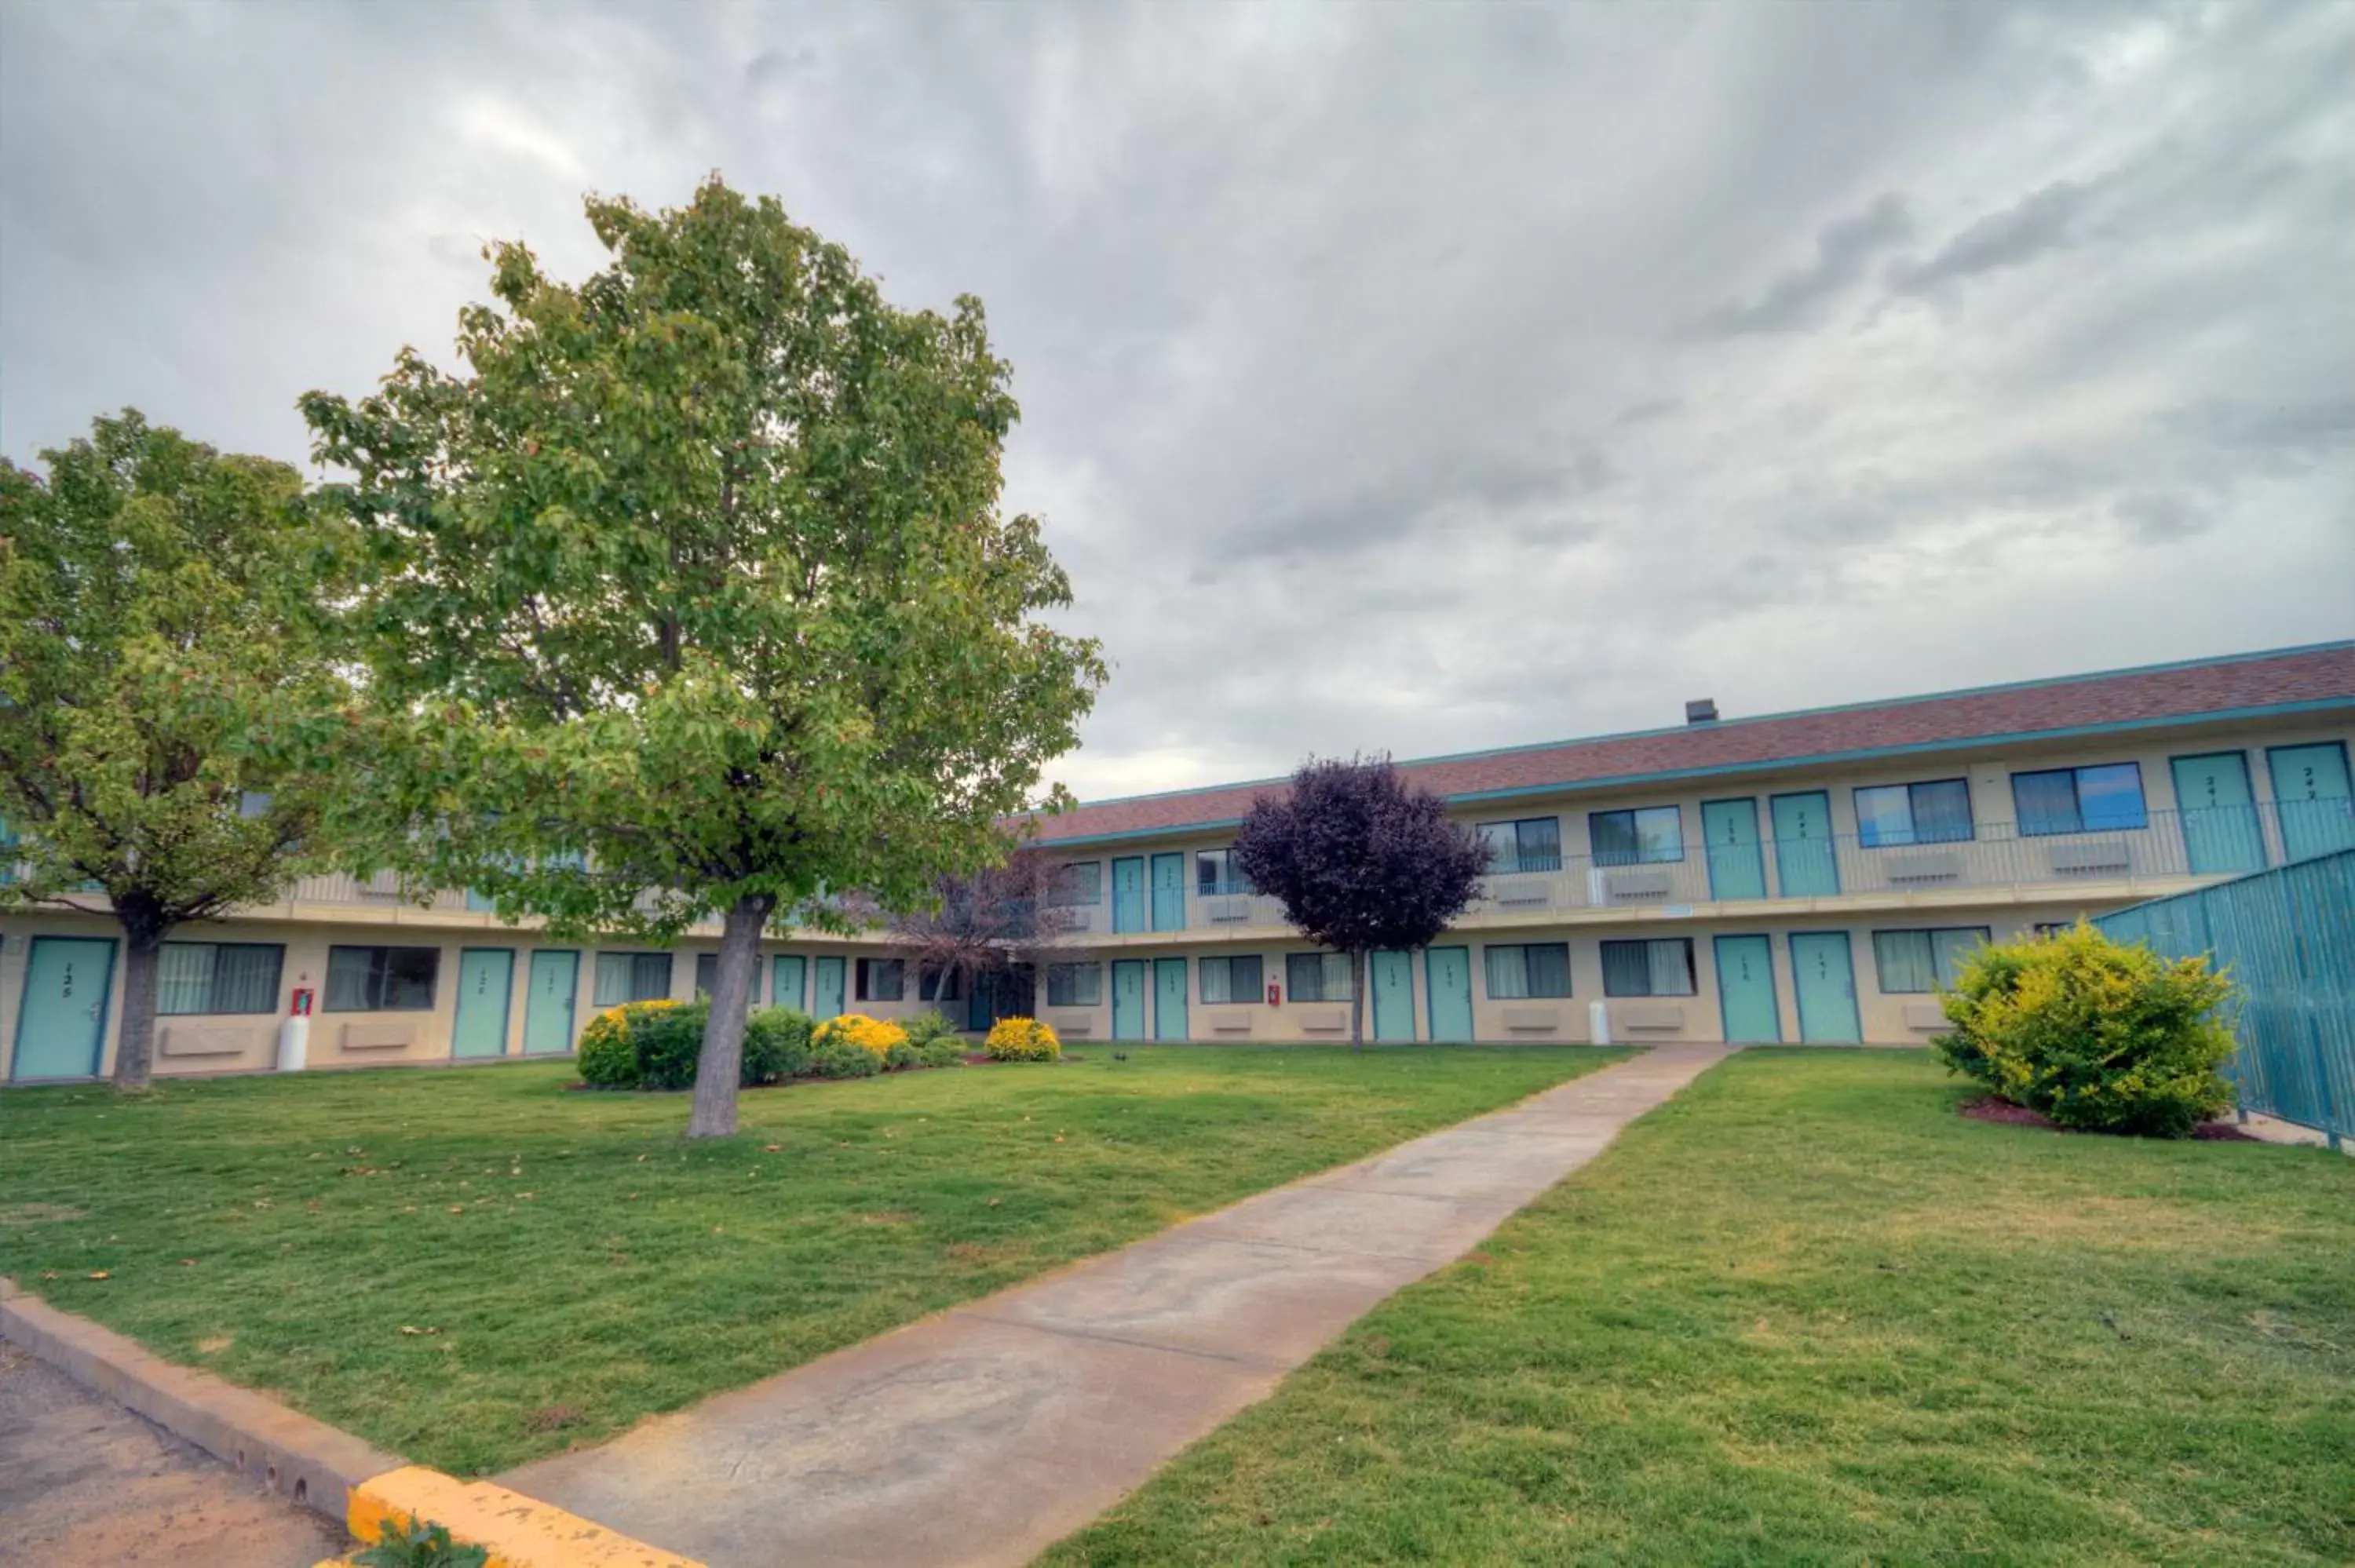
(169, 711)
(987, 923)
(1360, 861)
(694, 591)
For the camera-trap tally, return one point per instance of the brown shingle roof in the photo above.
(2323, 674)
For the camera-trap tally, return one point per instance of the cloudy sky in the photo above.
(1395, 378)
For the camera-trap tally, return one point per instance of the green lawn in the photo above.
(1804, 1313)
(474, 1267)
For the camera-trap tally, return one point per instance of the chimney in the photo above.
(1701, 710)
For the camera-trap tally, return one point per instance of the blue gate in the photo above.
(2288, 937)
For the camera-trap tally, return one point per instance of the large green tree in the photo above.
(693, 588)
(169, 710)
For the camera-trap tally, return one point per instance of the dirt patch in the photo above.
(1986, 1107)
(37, 1214)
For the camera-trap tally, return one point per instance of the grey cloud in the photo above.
(1799, 297)
(2043, 221)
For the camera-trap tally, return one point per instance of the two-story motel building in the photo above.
(1804, 877)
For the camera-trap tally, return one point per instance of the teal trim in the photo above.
(485, 1003)
(1390, 975)
(51, 1008)
(552, 1001)
(1129, 999)
(1779, 765)
(1169, 1016)
(1747, 1003)
(1447, 986)
(1823, 976)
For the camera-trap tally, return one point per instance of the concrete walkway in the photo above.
(985, 1433)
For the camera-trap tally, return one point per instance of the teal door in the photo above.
(1169, 1000)
(1128, 894)
(1129, 999)
(1168, 892)
(548, 1010)
(485, 990)
(61, 1027)
(1827, 988)
(1745, 991)
(1390, 978)
(1447, 976)
(827, 1001)
(2218, 814)
(787, 974)
(1803, 861)
(2315, 797)
(1737, 865)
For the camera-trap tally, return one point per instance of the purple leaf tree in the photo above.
(1360, 861)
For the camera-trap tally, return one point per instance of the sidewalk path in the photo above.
(985, 1433)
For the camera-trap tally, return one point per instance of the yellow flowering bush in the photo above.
(607, 1054)
(2095, 1035)
(1022, 1040)
(875, 1035)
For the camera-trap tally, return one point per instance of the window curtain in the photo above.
(245, 977)
(347, 979)
(184, 978)
(1539, 843)
(2047, 803)
(1953, 950)
(1905, 961)
(1670, 962)
(1548, 968)
(1508, 973)
(1627, 968)
(1942, 811)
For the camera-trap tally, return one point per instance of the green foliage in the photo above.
(607, 1053)
(695, 581)
(2095, 1035)
(840, 1058)
(669, 1040)
(417, 1545)
(170, 708)
(942, 1051)
(928, 1026)
(1022, 1040)
(776, 1044)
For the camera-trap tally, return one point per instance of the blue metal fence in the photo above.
(2288, 937)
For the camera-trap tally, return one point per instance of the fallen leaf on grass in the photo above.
(412, 1329)
(101, 1273)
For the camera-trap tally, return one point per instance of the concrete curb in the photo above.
(520, 1531)
(307, 1461)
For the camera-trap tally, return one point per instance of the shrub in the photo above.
(776, 1044)
(1022, 1040)
(930, 1025)
(948, 1051)
(875, 1035)
(2095, 1035)
(669, 1041)
(607, 1055)
(415, 1544)
(902, 1053)
(838, 1058)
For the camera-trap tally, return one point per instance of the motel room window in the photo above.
(1659, 967)
(630, 977)
(1531, 843)
(1230, 980)
(707, 977)
(880, 980)
(2079, 799)
(1937, 812)
(1080, 883)
(382, 980)
(939, 984)
(1913, 962)
(218, 977)
(1216, 874)
(1316, 977)
(1520, 971)
(1074, 985)
(1636, 838)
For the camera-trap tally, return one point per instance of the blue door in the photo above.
(485, 992)
(1169, 893)
(2218, 812)
(1737, 865)
(787, 974)
(1447, 976)
(828, 1001)
(2313, 793)
(1803, 860)
(1129, 999)
(1169, 1000)
(553, 995)
(61, 1027)
(1827, 988)
(1390, 978)
(1745, 991)
(1128, 894)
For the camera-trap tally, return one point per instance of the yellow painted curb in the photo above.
(518, 1532)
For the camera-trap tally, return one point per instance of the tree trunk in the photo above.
(134, 1045)
(1358, 1000)
(720, 1063)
